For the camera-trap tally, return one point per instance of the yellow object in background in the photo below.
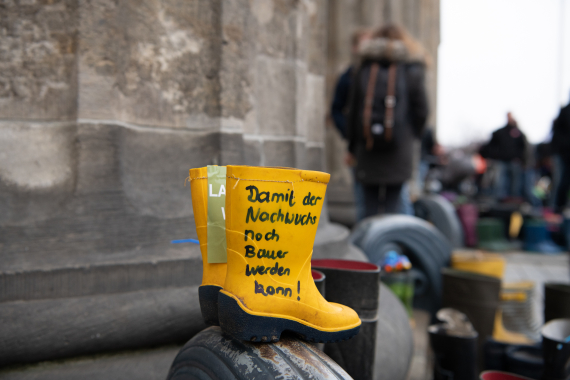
(487, 264)
(503, 335)
(516, 291)
(518, 306)
(516, 296)
(515, 225)
(494, 265)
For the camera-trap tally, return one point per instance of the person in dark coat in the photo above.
(431, 153)
(383, 172)
(560, 146)
(509, 146)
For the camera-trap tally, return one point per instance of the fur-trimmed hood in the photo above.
(393, 50)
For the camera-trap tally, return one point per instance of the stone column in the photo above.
(38, 109)
(104, 106)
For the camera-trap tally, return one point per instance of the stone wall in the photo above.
(105, 105)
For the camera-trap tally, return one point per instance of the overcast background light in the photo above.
(501, 55)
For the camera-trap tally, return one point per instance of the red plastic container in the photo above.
(499, 375)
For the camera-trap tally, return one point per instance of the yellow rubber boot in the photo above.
(487, 264)
(512, 294)
(501, 334)
(271, 221)
(214, 275)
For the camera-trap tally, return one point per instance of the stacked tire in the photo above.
(441, 213)
(211, 355)
(426, 247)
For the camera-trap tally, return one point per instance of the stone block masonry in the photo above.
(104, 106)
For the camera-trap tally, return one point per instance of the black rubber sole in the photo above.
(236, 322)
(208, 295)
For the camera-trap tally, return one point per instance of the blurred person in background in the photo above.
(339, 108)
(514, 155)
(431, 154)
(387, 111)
(544, 159)
(560, 146)
(544, 172)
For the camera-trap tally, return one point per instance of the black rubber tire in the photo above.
(211, 355)
(391, 247)
(425, 246)
(441, 213)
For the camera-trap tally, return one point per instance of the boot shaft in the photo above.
(272, 216)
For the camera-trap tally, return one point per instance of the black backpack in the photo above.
(385, 105)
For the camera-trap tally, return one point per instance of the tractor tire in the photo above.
(212, 355)
(425, 246)
(441, 213)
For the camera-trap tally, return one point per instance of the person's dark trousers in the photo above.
(529, 179)
(510, 180)
(563, 186)
(381, 199)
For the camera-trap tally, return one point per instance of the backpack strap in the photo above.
(368, 103)
(390, 101)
